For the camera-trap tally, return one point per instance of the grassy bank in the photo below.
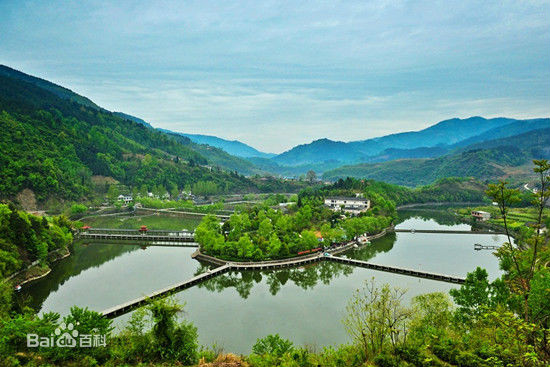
(517, 217)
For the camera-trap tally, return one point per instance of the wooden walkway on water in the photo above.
(135, 303)
(446, 231)
(187, 238)
(268, 265)
(226, 266)
(152, 237)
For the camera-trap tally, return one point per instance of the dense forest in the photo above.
(450, 189)
(54, 147)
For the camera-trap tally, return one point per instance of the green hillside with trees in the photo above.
(26, 239)
(54, 146)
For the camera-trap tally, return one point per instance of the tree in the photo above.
(265, 228)
(171, 340)
(477, 295)
(311, 176)
(78, 209)
(274, 246)
(375, 317)
(431, 317)
(522, 261)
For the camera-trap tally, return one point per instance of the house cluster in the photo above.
(480, 215)
(350, 205)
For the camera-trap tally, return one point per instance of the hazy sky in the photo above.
(274, 74)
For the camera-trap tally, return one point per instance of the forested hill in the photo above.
(55, 145)
(501, 158)
(59, 91)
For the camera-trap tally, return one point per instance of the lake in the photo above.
(305, 304)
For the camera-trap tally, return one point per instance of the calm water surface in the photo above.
(305, 305)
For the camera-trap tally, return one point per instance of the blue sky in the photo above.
(274, 74)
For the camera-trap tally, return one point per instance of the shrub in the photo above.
(386, 360)
(467, 359)
(272, 344)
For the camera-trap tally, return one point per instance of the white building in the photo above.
(481, 215)
(127, 199)
(353, 205)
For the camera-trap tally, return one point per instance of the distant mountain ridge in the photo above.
(446, 138)
(444, 135)
(233, 147)
(488, 160)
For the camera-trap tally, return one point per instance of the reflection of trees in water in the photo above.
(367, 252)
(83, 257)
(305, 277)
(441, 216)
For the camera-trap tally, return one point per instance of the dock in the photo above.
(478, 247)
(158, 237)
(135, 303)
(444, 231)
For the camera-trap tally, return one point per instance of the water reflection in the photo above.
(439, 216)
(306, 277)
(83, 257)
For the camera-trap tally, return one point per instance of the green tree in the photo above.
(477, 295)
(376, 317)
(311, 176)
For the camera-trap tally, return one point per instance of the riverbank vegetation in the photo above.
(517, 218)
(26, 240)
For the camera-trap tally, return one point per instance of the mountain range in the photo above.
(433, 141)
(475, 146)
(508, 157)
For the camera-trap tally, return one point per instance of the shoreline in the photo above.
(22, 274)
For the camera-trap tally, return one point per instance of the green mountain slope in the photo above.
(54, 145)
(133, 118)
(485, 161)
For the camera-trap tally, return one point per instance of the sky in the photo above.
(274, 74)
